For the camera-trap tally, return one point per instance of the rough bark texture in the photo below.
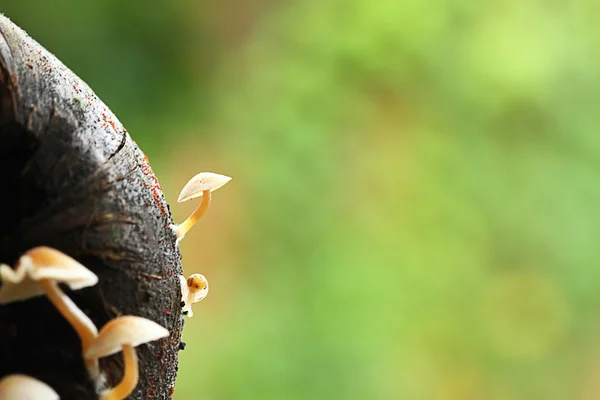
(73, 179)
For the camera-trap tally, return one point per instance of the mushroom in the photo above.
(22, 387)
(193, 290)
(124, 334)
(200, 185)
(38, 272)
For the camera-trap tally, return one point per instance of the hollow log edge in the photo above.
(73, 179)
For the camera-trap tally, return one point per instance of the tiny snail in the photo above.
(193, 290)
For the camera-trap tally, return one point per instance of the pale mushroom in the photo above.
(124, 334)
(23, 387)
(38, 272)
(193, 290)
(200, 185)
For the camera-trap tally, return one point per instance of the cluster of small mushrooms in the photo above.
(40, 271)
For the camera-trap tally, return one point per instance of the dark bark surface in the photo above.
(73, 179)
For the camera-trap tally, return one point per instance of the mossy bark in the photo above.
(73, 179)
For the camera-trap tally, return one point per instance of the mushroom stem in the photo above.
(130, 376)
(185, 226)
(84, 327)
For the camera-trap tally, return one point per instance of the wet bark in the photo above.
(73, 179)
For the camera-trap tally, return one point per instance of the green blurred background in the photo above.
(416, 197)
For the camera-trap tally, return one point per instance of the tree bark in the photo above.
(73, 179)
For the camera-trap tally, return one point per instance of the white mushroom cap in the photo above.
(23, 387)
(52, 264)
(201, 182)
(128, 330)
(38, 264)
(16, 284)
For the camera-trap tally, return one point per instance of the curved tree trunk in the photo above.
(73, 179)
